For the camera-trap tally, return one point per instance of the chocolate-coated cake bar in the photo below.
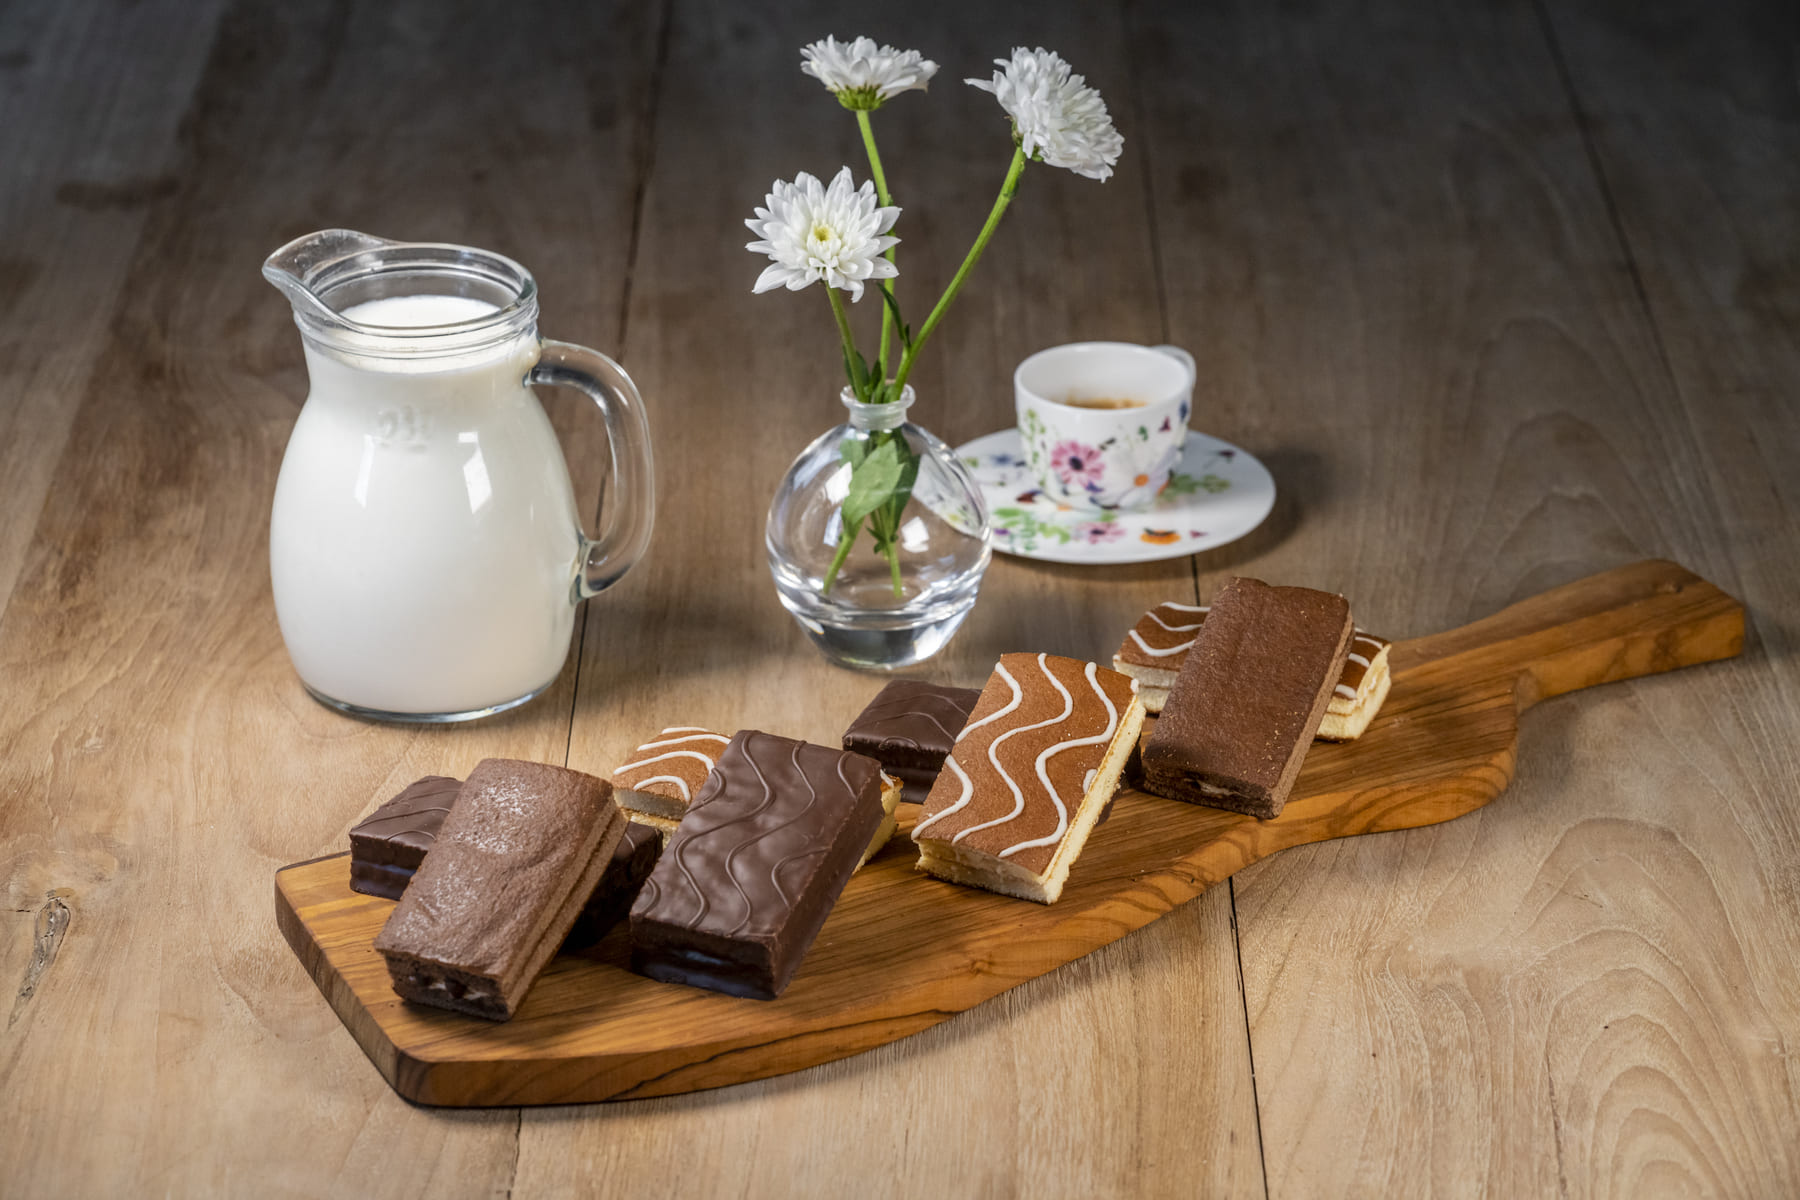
(388, 845)
(632, 861)
(1155, 649)
(1249, 698)
(755, 866)
(516, 859)
(909, 727)
(1031, 772)
(662, 776)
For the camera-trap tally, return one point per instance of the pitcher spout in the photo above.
(298, 267)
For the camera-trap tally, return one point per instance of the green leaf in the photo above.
(853, 450)
(871, 483)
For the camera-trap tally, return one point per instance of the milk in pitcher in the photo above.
(402, 474)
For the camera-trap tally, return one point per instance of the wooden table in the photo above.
(1503, 294)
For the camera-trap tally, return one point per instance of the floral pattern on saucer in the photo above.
(1216, 494)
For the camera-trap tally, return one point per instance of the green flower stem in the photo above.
(846, 539)
(843, 324)
(1007, 189)
(881, 189)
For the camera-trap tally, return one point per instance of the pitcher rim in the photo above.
(382, 257)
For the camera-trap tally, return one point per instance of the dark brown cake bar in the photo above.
(755, 866)
(632, 861)
(388, 845)
(516, 859)
(1249, 698)
(909, 728)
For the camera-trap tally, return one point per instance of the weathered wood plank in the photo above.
(1387, 230)
(89, 102)
(159, 759)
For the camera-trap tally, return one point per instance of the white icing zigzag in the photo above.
(993, 755)
(694, 734)
(1102, 738)
(966, 792)
(968, 789)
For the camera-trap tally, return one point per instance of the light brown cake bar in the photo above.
(662, 776)
(515, 861)
(1029, 775)
(1156, 647)
(891, 789)
(1359, 691)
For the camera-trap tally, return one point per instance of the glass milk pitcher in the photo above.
(426, 553)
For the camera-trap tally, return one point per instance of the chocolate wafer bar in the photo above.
(909, 727)
(1156, 647)
(388, 845)
(1249, 698)
(662, 776)
(756, 865)
(514, 862)
(1030, 773)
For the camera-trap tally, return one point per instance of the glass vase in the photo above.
(879, 612)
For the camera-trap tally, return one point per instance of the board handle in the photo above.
(1638, 620)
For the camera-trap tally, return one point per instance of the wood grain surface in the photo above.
(1504, 294)
(900, 952)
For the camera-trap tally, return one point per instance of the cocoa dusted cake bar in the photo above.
(1249, 698)
(1155, 649)
(516, 859)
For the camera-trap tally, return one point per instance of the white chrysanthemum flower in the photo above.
(863, 75)
(814, 232)
(1058, 118)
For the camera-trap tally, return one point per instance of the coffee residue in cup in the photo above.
(1106, 402)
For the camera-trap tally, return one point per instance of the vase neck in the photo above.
(875, 417)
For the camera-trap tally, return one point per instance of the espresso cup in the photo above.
(1103, 422)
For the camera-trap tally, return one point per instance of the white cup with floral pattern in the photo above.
(1103, 422)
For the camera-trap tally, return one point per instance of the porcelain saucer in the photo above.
(1217, 494)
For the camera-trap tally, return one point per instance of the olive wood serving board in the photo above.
(902, 951)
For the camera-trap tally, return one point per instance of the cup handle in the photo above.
(630, 508)
(1184, 358)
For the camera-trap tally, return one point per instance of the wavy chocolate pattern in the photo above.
(911, 724)
(756, 865)
(1040, 733)
(736, 865)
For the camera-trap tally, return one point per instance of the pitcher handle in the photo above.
(630, 507)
